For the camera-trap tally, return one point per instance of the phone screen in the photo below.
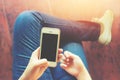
(49, 46)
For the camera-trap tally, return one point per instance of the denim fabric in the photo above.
(26, 39)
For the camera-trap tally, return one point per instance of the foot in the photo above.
(106, 27)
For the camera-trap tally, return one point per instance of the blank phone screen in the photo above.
(49, 46)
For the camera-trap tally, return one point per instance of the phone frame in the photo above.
(48, 30)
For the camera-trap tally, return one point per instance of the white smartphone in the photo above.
(49, 43)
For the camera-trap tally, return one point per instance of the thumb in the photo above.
(69, 55)
(63, 66)
(42, 62)
(36, 53)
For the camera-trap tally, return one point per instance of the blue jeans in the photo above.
(26, 39)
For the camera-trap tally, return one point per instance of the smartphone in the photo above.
(49, 43)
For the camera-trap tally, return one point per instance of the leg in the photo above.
(75, 48)
(82, 30)
(26, 40)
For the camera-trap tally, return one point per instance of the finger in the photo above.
(63, 66)
(60, 50)
(42, 62)
(42, 66)
(36, 53)
(68, 60)
(72, 57)
(69, 55)
(61, 58)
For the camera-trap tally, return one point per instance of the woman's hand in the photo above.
(74, 66)
(35, 67)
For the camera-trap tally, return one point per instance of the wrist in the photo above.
(27, 75)
(83, 75)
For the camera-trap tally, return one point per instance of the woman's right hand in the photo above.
(35, 67)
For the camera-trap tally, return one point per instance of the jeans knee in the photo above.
(73, 46)
(26, 20)
(29, 16)
(24, 16)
